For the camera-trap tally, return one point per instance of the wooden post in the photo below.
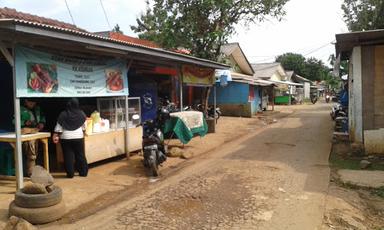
(289, 95)
(214, 103)
(181, 87)
(127, 117)
(273, 98)
(18, 150)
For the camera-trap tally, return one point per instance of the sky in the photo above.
(308, 28)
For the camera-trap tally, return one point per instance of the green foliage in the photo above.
(379, 192)
(292, 61)
(310, 68)
(201, 26)
(363, 14)
(117, 29)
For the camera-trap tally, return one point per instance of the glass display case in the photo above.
(113, 109)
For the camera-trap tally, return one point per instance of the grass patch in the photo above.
(344, 163)
(349, 162)
(378, 192)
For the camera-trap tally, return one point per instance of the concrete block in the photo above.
(374, 141)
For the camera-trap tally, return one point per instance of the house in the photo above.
(243, 95)
(306, 88)
(275, 73)
(365, 52)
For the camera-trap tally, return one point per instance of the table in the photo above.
(42, 136)
(179, 127)
(104, 145)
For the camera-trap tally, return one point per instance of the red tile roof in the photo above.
(122, 37)
(8, 13)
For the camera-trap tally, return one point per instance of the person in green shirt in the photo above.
(31, 117)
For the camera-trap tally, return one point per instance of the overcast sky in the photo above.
(308, 28)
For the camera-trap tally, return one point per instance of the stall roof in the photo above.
(237, 77)
(15, 27)
(346, 41)
(286, 83)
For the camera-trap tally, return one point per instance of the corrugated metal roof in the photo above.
(234, 50)
(8, 13)
(266, 70)
(346, 41)
(68, 30)
(178, 56)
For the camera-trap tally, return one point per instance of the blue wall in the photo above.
(233, 93)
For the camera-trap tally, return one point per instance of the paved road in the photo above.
(273, 178)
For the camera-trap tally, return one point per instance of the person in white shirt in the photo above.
(69, 130)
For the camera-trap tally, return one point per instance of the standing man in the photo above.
(31, 117)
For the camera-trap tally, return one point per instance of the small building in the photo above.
(275, 73)
(365, 52)
(306, 88)
(243, 95)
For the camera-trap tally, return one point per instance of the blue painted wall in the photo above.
(233, 93)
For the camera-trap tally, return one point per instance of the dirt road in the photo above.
(273, 178)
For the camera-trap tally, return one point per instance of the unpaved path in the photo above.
(273, 178)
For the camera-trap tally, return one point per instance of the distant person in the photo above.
(70, 129)
(31, 117)
(344, 98)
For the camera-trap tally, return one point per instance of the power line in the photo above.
(105, 14)
(70, 14)
(317, 49)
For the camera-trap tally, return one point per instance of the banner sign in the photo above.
(40, 74)
(193, 75)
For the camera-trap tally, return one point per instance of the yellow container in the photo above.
(89, 127)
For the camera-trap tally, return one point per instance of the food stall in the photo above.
(46, 74)
(71, 63)
(198, 83)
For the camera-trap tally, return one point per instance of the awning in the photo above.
(286, 83)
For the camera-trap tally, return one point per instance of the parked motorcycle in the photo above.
(154, 148)
(327, 98)
(212, 112)
(339, 114)
(338, 110)
(313, 98)
(170, 106)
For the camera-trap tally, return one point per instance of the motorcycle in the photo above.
(212, 112)
(338, 111)
(313, 98)
(154, 148)
(339, 114)
(327, 98)
(170, 106)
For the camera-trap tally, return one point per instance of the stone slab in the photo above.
(364, 178)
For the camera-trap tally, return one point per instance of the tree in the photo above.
(292, 61)
(315, 69)
(310, 68)
(201, 26)
(117, 29)
(363, 14)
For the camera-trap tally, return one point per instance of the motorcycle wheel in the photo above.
(217, 115)
(154, 167)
